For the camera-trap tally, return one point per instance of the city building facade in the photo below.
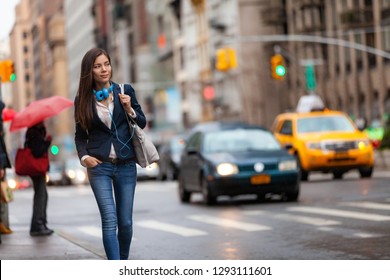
(192, 61)
(351, 71)
(38, 50)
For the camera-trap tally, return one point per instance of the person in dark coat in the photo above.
(39, 142)
(4, 163)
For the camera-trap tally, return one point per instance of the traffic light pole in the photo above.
(308, 38)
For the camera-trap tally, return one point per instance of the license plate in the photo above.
(260, 179)
(341, 155)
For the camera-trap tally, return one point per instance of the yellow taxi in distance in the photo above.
(325, 140)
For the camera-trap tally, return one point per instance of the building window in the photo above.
(387, 101)
(181, 58)
(385, 4)
(130, 42)
(386, 38)
(370, 39)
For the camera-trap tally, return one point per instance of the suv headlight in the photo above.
(287, 165)
(226, 169)
(362, 144)
(314, 145)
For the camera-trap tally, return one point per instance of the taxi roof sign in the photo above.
(309, 103)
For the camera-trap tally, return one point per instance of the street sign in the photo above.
(310, 77)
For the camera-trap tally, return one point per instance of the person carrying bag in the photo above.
(104, 147)
(38, 142)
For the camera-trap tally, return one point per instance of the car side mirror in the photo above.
(192, 151)
(288, 146)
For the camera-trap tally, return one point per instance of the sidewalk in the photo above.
(382, 159)
(21, 246)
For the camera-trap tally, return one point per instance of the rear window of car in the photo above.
(239, 140)
(324, 124)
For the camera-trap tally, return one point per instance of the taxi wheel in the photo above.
(303, 173)
(366, 172)
(183, 193)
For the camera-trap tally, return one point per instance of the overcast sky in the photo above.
(7, 16)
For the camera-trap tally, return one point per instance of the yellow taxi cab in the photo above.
(325, 140)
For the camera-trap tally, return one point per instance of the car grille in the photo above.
(340, 146)
(250, 167)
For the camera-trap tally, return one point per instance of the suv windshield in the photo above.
(239, 140)
(324, 123)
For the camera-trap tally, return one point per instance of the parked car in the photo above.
(170, 153)
(149, 172)
(326, 141)
(75, 173)
(56, 174)
(16, 182)
(234, 159)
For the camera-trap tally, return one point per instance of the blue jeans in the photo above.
(115, 213)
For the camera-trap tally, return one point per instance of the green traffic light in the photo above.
(280, 70)
(12, 78)
(54, 150)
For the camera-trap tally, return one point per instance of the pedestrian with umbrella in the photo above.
(38, 142)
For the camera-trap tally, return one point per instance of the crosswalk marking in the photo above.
(366, 235)
(180, 230)
(295, 218)
(91, 230)
(367, 205)
(340, 213)
(228, 223)
(349, 233)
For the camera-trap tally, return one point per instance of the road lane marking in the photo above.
(367, 235)
(349, 233)
(228, 223)
(340, 213)
(91, 230)
(183, 231)
(299, 219)
(367, 205)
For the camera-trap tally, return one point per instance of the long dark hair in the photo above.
(85, 100)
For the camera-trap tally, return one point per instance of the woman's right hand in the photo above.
(91, 162)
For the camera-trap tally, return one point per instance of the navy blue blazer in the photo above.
(97, 140)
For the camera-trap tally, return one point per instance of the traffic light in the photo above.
(226, 59)
(12, 76)
(7, 71)
(278, 69)
(54, 150)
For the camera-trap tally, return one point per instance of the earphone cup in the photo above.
(99, 95)
(105, 93)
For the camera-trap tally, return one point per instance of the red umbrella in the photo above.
(8, 114)
(39, 110)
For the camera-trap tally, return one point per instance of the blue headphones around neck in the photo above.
(103, 93)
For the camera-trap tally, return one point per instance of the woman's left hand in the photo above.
(126, 102)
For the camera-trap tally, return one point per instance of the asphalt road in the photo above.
(344, 219)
